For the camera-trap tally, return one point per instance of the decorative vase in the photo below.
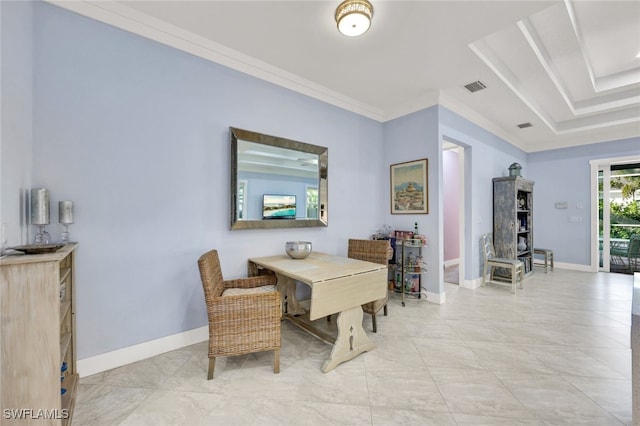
(522, 244)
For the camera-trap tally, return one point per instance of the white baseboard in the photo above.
(118, 358)
(539, 266)
(573, 267)
(472, 284)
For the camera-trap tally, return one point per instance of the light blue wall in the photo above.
(408, 138)
(420, 135)
(486, 156)
(563, 175)
(136, 134)
(16, 124)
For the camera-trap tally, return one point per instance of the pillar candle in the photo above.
(39, 206)
(65, 212)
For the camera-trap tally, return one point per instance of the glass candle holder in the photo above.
(40, 214)
(65, 217)
(42, 236)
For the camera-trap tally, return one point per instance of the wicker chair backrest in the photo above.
(375, 251)
(211, 274)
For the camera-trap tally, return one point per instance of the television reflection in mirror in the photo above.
(278, 206)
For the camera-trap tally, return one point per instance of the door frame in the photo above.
(460, 150)
(605, 165)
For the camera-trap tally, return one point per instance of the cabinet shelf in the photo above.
(410, 242)
(416, 294)
(70, 383)
(409, 268)
(64, 274)
(65, 341)
(65, 308)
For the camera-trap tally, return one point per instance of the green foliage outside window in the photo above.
(626, 213)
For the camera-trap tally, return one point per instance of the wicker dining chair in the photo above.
(244, 314)
(376, 251)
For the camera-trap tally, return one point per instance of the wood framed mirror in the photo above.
(277, 182)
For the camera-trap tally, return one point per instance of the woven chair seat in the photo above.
(372, 308)
(254, 290)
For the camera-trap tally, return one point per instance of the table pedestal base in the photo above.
(352, 339)
(343, 284)
(287, 288)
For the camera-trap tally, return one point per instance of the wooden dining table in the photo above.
(339, 285)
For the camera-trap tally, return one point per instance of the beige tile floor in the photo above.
(556, 353)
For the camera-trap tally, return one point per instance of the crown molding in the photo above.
(427, 100)
(461, 109)
(128, 19)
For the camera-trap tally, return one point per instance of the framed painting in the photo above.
(409, 187)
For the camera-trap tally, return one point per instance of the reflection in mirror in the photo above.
(277, 182)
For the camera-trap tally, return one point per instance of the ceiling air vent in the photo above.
(525, 125)
(475, 86)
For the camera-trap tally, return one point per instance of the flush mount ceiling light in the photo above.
(354, 17)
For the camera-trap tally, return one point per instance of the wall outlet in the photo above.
(575, 219)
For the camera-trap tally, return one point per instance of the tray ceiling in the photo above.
(569, 68)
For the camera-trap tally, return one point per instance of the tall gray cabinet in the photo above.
(513, 219)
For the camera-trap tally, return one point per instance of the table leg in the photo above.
(352, 339)
(287, 288)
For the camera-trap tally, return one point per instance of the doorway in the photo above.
(616, 213)
(453, 213)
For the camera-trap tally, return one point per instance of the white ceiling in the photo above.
(567, 67)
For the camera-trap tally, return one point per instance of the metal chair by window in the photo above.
(633, 253)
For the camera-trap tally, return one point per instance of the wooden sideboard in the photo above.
(38, 335)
